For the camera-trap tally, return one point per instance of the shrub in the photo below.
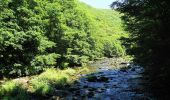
(46, 82)
(13, 91)
(113, 48)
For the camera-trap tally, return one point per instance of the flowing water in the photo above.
(111, 84)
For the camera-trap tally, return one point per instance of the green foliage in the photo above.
(148, 22)
(45, 60)
(39, 34)
(107, 29)
(46, 82)
(13, 90)
(112, 49)
(21, 37)
(40, 86)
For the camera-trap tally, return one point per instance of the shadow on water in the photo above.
(111, 84)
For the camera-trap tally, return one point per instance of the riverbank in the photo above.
(40, 86)
(125, 82)
(53, 83)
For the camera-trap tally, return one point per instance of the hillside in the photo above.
(108, 29)
(46, 44)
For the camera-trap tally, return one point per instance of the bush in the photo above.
(46, 82)
(40, 86)
(13, 91)
(77, 60)
(114, 48)
(34, 33)
(21, 37)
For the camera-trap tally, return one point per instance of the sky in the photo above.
(103, 4)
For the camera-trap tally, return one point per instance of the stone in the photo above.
(77, 93)
(92, 89)
(55, 98)
(103, 79)
(91, 94)
(75, 98)
(85, 86)
(99, 90)
(92, 78)
(73, 89)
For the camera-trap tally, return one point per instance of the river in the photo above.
(110, 83)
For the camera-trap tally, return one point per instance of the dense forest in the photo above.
(148, 23)
(48, 45)
(40, 34)
(43, 43)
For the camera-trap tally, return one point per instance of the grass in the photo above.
(11, 90)
(41, 85)
(46, 82)
(44, 85)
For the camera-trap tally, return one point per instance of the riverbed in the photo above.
(111, 82)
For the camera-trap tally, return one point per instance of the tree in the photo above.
(148, 22)
(38, 34)
(22, 39)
